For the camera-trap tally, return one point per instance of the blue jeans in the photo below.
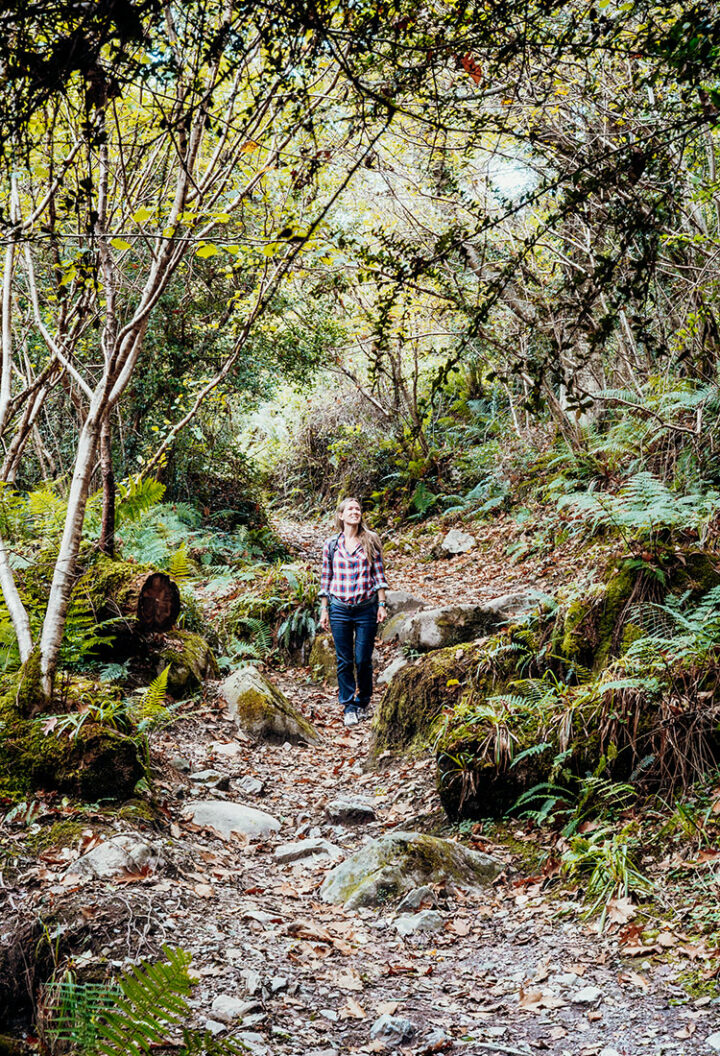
(353, 629)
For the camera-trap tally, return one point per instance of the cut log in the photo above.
(149, 600)
(158, 604)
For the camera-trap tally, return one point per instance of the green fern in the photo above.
(179, 566)
(150, 711)
(136, 497)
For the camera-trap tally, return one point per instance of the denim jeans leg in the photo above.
(365, 631)
(341, 625)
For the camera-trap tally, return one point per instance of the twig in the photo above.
(493, 1046)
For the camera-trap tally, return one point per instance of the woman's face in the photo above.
(351, 513)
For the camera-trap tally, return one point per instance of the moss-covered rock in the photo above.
(385, 869)
(417, 695)
(190, 658)
(262, 711)
(87, 758)
(323, 664)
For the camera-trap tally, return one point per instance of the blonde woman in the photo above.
(352, 599)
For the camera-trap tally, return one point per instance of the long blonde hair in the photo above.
(369, 541)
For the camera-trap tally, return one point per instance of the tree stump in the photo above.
(147, 599)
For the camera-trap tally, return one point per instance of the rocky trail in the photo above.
(492, 966)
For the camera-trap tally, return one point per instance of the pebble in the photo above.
(252, 980)
(255, 1042)
(181, 764)
(587, 996)
(315, 847)
(229, 1009)
(252, 785)
(328, 1013)
(425, 920)
(713, 1041)
(609, 1051)
(355, 809)
(278, 983)
(214, 1027)
(211, 778)
(392, 1028)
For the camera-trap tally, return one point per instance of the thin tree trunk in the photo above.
(107, 528)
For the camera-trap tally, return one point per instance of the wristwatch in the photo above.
(382, 604)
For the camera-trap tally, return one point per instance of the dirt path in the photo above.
(510, 972)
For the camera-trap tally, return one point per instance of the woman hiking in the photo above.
(352, 599)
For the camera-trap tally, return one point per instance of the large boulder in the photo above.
(452, 624)
(418, 693)
(390, 867)
(262, 711)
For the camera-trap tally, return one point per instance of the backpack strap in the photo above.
(332, 548)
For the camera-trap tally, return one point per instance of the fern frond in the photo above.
(179, 565)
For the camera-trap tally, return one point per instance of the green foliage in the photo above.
(604, 861)
(131, 1015)
(644, 507)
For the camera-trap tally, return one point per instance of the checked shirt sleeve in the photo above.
(377, 574)
(327, 572)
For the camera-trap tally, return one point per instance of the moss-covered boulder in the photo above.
(75, 751)
(452, 624)
(386, 869)
(190, 658)
(323, 665)
(417, 695)
(263, 712)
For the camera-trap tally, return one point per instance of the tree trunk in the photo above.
(107, 528)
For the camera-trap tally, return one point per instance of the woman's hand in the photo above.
(324, 619)
(382, 614)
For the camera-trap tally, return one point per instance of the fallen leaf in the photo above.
(387, 1008)
(175, 830)
(349, 980)
(666, 939)
(685, 1032)
(352, 1010)
(461, 926)
(204, 890)
(620, 910)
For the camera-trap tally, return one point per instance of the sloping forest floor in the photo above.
(515, 970)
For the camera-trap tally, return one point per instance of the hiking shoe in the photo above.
(350, 718)
(363, 712)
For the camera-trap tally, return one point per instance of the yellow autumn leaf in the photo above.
(207, 251)
(141, 215)
(120, 243)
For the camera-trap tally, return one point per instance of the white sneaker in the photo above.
(350, 718)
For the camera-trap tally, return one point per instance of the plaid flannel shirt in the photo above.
(351, 578)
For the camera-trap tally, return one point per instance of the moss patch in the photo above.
(190, 658)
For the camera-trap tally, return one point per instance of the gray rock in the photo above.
(350, 809)
(214, 1027)
(180, 763)
(229, 1009)
(211, 778)
(417, 899)
(301, 850)
(228, 818)
(252, 980)
(453, 624)
(253, 786)
(455, 542)
(587, 996)
(391, 866)
(253, 1041)
(262, 711)
(713, 1041)
(436, 1039)
(328, 1013)
(391, 670)
(401, 601)
(425, 920)
(126, 853)
(390, 630)
(278, 983)
(392, 1029)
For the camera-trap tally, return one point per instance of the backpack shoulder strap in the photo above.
(332, 548)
